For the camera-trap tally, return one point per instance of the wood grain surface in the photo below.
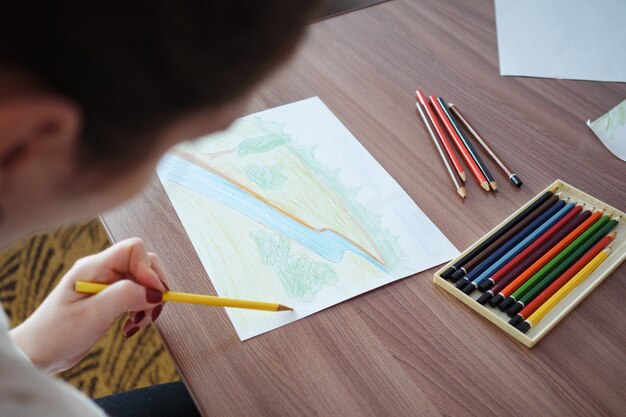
(408, 348)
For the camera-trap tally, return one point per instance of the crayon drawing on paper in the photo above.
(286, 206)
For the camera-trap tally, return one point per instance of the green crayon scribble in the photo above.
(261, 144)
(304, 278)
(301, 276)
(272, 247)
(264, 177)
(611, 121)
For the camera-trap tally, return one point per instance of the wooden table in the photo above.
(409, 348)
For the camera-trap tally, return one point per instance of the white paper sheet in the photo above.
(611, 130)
(288, 207)
(568, 39)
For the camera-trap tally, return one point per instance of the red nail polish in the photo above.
(153, 296)
(131, 332)
(156, 311)
(138, 316)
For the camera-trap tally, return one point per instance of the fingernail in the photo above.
(153, 296)
(156, 311)
(165, 285)
(131, 332)
(138, 316)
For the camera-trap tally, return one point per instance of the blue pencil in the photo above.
(518, 248)
(481, 267)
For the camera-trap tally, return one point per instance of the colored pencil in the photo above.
(181, 297)
(478, 265)
(508, 245)
(533, 289)
(513, 177)
(506, 287)
(530, 250)
(474, 169)
(541, 298)
(541, 225)
(442, 136)
(549, 267)
(458, 265)
(563, 292)
(459, 189)
(471, 264)
(481, 164)
(528, 260)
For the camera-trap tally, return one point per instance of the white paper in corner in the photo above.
(565, 39)
(611, 130)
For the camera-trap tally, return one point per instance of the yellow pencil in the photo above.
(181, 297)
(563, 291)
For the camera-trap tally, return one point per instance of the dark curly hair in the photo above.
(134, 66)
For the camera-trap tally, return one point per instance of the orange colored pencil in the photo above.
(444, 140)
(473, 166)
(558, 248)
(563, 279)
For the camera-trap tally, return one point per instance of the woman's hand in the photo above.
(67, 324)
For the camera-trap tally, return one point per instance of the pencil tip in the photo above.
(462, 192)
(607, 251)
(485, 185)
(463, 176)
(283, 308)
(494, 186)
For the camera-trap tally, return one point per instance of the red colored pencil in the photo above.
(531, 249)
(444, 140)
(474, 168)
(562, 280)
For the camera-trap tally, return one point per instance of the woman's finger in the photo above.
(155, 264)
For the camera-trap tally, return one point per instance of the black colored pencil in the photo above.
(512, 176)
(458, 265)
(469, 146)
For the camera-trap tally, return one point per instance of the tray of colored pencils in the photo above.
(530, 271)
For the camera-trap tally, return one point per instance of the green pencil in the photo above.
(562, 267)
(552, 264)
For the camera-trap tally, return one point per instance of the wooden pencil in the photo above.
(474, 169)
(479, 161)
(470, 268)
(530, 225)
(531, 289)
(512, 176)
(541, 226)
(181, 297)
(563, 279)
(515, 278)
(523, 287)
(459, 266)
(531, 249)
(459, 189)
(444, 140)
(563, 292)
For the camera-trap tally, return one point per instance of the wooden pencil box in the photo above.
(500, 319)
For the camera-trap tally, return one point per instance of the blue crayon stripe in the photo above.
(524, 243)
(481, 267)
(326, 243)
